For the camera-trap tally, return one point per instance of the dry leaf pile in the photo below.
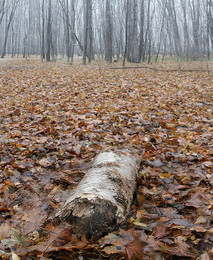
(54, 118)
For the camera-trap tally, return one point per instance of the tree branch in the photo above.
(155, 69)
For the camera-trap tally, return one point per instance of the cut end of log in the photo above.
(91, 217)
(102, 200)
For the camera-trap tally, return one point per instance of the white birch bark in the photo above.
(102, 200)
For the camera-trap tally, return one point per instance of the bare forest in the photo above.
(136, 30)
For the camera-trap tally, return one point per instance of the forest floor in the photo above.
(54, 118)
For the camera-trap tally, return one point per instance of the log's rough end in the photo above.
(91, 217)
(102, 200)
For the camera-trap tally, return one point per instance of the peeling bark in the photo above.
(102, 200)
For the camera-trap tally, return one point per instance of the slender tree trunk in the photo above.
(25, 46)
(90, 32)
(108, 37)
(186, 33)
(147, 31)
(86, 11)
(67, 31)
(2, 11)
(149, 48)
(12, 43)
(72, 29)
(126, 32)
(195, 16)
(43, 33)
(12, 13)
(135, 54)
(210, 21)
(161, 33)
(49, 32)
(208, 32)
(141, 44)
(170, 5)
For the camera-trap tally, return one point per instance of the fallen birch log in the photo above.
(102, 200)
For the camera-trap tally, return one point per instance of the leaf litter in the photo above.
(54, 118)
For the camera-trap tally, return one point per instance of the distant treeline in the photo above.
(133, 30)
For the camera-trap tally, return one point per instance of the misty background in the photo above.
(133, 30)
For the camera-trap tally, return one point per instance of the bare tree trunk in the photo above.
(2, 10)
(208, 32)
(102, 200)
(67, 31)
(86, 15)
(43, 32)
(72, 29)
(12, 42)
(69, 24)
(161, 33)
(147, 31)
(49, 31)
(186, 32)
(141, 44)
(108, 37)
(135, 43)
(25, 45)
(195, 15)
(126, 32)
(210, 20)
(170, 6)
(132, 46)
(149, 48)
(119, 29)
(12, 13)
(90, 32)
